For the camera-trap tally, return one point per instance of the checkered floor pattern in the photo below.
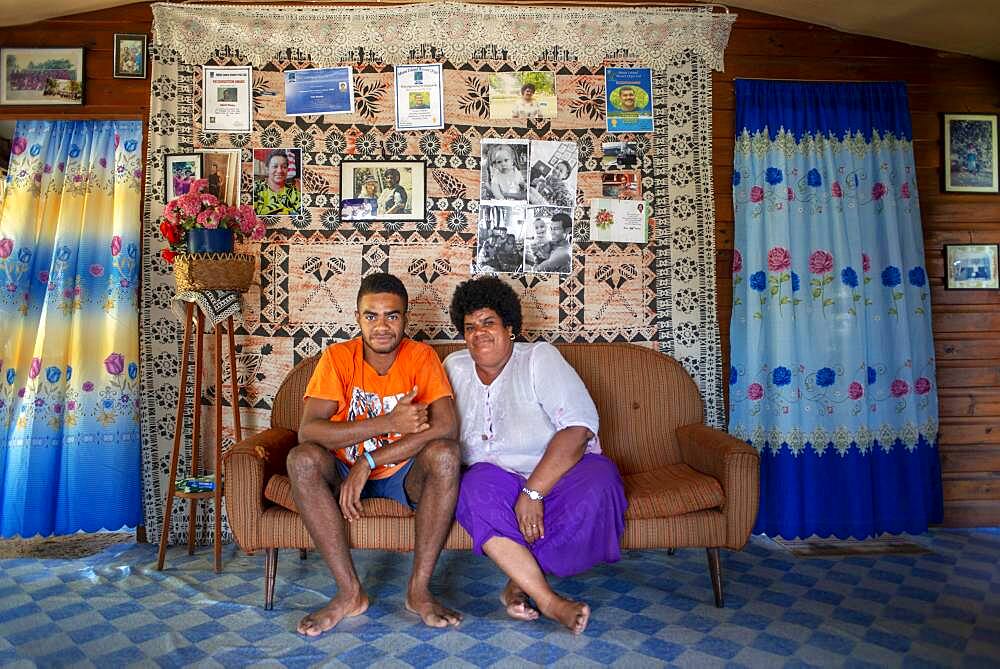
(115, 610)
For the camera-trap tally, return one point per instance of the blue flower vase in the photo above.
(206, 240)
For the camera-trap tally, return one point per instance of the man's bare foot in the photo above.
(574, 615)
(516, 602)
(340, 607)
(432, 612)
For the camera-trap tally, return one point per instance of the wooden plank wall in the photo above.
(966, 324)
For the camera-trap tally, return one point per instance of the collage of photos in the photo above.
(528, 196)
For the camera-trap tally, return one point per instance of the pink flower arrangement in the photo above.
(820, 262)
(778, 259)
(755, 391)
(756, 194)
(922, 386)
(899, 388)
(855, 391)
(737, 261)
(197, 209)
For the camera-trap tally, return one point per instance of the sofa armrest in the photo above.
(737, 468)
(248, 466)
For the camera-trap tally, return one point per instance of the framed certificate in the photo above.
(327, 90)
(629, 99)
(419, 101)
(227, 100)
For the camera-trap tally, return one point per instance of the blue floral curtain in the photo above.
(832, 376)
(69, 393)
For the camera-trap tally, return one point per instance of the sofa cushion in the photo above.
(279, 491)
(671, 491)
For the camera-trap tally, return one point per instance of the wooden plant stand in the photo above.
(216, 494)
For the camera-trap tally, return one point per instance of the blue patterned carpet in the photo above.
(113, 610)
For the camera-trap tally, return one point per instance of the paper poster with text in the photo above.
(629, 99)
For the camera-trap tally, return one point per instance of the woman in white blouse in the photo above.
(537, 497)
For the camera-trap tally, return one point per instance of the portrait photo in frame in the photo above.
(41, 76)
(180, 171)
(971, 266)
(970, 153)
(385, 190)
(130, 56)
(221, 169)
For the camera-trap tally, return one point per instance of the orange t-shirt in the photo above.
(344, 377)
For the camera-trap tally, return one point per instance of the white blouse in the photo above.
(511, 421)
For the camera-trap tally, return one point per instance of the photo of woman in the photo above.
(276, 189)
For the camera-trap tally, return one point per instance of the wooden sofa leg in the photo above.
(303, 553)
(270, 576)
(715, 571)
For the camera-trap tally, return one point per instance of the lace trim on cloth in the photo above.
(841, 440)
(328, 35)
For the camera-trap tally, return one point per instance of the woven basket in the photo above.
(213, 271)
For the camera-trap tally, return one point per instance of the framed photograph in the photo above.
(971, 266)
(49, 76)
(277, 182)
(130, 56)
(970, 153)
(385, 190)
(180, 171)
(221, 168)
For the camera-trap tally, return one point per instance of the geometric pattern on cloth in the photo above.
(216, 305)
(661, 294)
(671, 491)
(938, 609)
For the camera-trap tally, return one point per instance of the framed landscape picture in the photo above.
(383, 190)
(971, 266)
(970, 153)
(130, 56)
(41, 76)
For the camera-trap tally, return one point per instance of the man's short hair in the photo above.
(564, 220)
(382, 282)
(392, 171)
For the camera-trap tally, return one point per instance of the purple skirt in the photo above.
(584, 513)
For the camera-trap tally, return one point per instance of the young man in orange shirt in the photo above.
(379, 421)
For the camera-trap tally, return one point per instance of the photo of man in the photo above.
(629, 99)
(276, 182)
(221, 168)
(500, 242)
(553, 173)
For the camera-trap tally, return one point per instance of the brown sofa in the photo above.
(687, 484)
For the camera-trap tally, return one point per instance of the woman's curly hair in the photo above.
(486, 292)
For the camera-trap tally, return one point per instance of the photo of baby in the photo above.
(548, 246)
(553, 173)
(503, 174)
(522, 95)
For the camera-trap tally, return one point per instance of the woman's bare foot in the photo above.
(516, 602)
(431, 611)
(574, 615)
(340, 607)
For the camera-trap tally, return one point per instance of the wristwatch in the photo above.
(533, 495)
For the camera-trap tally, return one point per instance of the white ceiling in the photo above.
(961, 26)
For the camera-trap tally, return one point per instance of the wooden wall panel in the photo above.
(967, 325)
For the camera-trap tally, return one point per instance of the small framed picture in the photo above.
(130, 56)
(971, 266)
(970, 153)
(180, 171)
(385, 190)
(49, 76)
